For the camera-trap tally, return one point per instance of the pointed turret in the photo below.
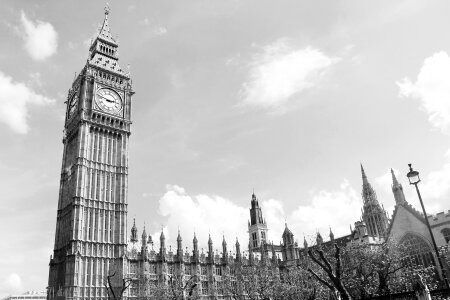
(195, 252)
(224, 250)
(210, 250)
(397, 189)
(179, 247)
(162, 249)
(134, 233)
(144, 237)
(238, 251)
(331, 235)
(319, 239)
(305, 243)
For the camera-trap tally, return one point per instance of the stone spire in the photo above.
(134, 233)
(210, 250)
(105, 33)
(224, 250)
(238, 251)
(195, 252)
(368, 193)
(144, 237)
(162, 239)
(319, 239)
(179, 247)
(397, 189)
(331, 235)
(305, 243)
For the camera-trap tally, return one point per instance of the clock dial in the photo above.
(108, 100)
(72, 105)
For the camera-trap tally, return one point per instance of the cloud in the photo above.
(432, 89)
(280, 71)
(385, 181)
(41, 39)
(12, 284)
(15, 97)
(218, 216)
(336, 209)
(206, 215)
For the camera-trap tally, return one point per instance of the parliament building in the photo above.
(92, 241)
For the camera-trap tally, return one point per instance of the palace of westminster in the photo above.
(91, 238)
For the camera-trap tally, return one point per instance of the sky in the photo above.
(285, 98)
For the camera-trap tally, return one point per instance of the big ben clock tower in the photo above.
(91, 228)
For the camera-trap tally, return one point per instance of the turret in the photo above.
(179, 247)
(144, 238)
(224, 250)
(210, 250)
(397, 189)
(162, 249)
(319, 239)
(331, 236)
(195, 252)
(238, 251)
(134, 233)
(305, 243)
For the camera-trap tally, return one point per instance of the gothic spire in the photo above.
(397, 189)
(134, 237)
(331, 235)
(105, 33)
(238, 250)
(368, 193)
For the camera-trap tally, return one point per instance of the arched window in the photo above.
(418, 251)
(446, 233)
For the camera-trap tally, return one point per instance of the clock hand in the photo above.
(106, 99)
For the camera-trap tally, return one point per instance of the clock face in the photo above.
(108, 100)
(73, 105)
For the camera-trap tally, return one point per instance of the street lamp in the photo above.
(413, 177)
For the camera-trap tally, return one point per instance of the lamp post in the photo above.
(413, 177)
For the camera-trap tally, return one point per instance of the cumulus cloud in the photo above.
(41, 38)
(219, 216)
(337, 209)
(12, 284)
(432, 89)
(15, 97)
(279, 71)
(203, 214)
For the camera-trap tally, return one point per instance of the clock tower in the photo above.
(91, 223)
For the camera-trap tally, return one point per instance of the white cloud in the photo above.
(432, 88)
(217, 216)
(41, 39)
(160, 30)
(15, 97)
(280, 71)
(12, 284)
(206, 215)
(336, 209)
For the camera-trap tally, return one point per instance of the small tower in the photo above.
(162, 249)
(134, 233)
(331, 236)
(238, 251)
(288, 247)
(195, 252)
(373, 215)
(257, 227)
(319, 239)
(397, 189)
(210, 250)
(179, 247)
(224, 251)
